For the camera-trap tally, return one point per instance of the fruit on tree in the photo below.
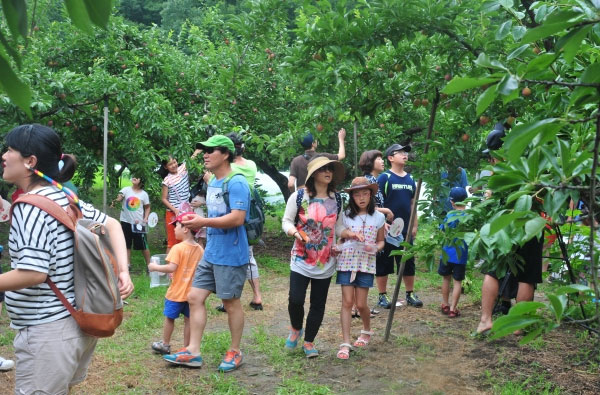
(536, 50)
(186, 114)
(50, 123)
(526, 91)
(179, 90)
(123, 66)
(317, 56)
(464, 137)
(424, 102)
(320, 127)
(137, 125)
(448, 77)
(483, 120)
(116, 110)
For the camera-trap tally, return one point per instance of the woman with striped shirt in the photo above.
(175, 195)
(52, 353)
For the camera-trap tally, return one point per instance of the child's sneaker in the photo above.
(161, 347)
(6, 364)
(384, 302)
(413, 300)
(292, 341)
(185, 358)
(231, 361)
(310, 350)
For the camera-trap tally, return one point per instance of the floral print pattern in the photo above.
(317, 219)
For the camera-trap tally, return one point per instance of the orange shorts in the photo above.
(171, 240)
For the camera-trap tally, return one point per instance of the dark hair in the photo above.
(238, 143)
(142, 181)
(353, 208)
(367, 160)
(43, 143)
(162, 170)
(225, 150)
(312, 191)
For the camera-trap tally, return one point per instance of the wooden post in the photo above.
(413, 215)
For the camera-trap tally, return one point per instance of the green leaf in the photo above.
(18, 92)
(591, 75)
(557, 305)
(541, 62)
(572, 288)
(99, 11)
(504, 181)
(520, 137)
(523, 203)
(517, 52)
(486, 99)
(504, 30)
(504, 220)
(508, 4)
(570, 43)
(545, 30)
(533, 227)
(460, 84)
(483, 61)
(514, 196)
(508, 324)
(15, 12)
(10, 50)
(523, 308)
(79, 15)
(518, 32)
(508, 85)
(531, 335)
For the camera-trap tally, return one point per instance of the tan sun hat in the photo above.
(320, 161)
(362, 183)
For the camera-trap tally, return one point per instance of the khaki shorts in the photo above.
(52, 357)
(252, 266)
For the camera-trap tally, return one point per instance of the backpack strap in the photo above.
(338, 201)
(299, 198)
(66, 217)
(386, 183)
(225, 187)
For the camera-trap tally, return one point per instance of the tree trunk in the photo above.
(279, 178)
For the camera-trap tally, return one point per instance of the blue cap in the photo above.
(458, 194)
(307, 141)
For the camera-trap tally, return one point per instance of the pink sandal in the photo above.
(362, 340)
(344, 353)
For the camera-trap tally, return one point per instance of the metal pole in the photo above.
(105, 154)
(413, 215)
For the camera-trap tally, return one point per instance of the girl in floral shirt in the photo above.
(312, 217)
(356, 262)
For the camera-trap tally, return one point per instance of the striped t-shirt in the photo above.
(178, 186)
(41, 243)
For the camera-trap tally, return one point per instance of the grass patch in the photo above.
(298, 386)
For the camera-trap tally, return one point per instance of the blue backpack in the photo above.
(256, 223)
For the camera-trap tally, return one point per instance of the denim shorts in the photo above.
(174, 309)
(362, 280)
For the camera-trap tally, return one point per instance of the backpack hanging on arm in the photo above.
(99, 308)
(255, 225)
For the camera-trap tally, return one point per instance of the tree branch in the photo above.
(560, 83)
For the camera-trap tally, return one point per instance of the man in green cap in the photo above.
(222, 269)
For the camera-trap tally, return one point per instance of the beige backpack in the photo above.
(99, 308)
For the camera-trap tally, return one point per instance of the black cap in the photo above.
(396, 147)
(494, 138)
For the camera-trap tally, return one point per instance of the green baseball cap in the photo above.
(218, 140)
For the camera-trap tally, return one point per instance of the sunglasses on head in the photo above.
(328, 167)
(210, 150)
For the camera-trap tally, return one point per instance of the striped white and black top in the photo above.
(178, 186)
(40, 243)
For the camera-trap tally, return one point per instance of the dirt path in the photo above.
(428, 353)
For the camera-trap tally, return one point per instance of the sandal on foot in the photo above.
(453, 313)
(355, 313)
(363, 341)
(344, 353)
(445, 309)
